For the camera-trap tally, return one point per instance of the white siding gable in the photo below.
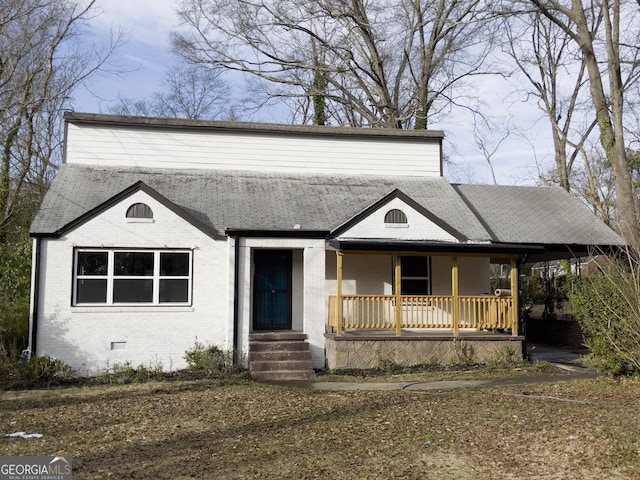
(108, 229)
(259, 151)
(418, 227)
(93, 337)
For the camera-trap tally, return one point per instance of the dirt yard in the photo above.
(585, 429)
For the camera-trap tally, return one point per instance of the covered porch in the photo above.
(401, 312)
(456, 319)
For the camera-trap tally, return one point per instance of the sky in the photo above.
(145, 55)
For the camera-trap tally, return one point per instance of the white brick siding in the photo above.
(82, 336)
(373, 275)
(473, 275)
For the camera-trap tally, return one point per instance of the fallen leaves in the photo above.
(206, 430)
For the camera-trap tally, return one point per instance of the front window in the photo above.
(416, 275)
(115, 277)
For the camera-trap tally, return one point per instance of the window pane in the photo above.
(415, 266)
(174, 264)
(133, 263)
(139, 210)
(91, 291)
(395, 216)
(415, 287)
(132, 291)
(174, 290)
(92, 263)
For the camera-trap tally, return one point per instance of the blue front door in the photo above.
(272, 290)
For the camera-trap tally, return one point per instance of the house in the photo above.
(577, 266)
(348, 245)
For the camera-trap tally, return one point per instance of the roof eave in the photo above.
(264, 233)
(138, 186)
(248, 127)
(433, 247)
(532, 252)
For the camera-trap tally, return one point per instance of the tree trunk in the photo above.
(610, 122)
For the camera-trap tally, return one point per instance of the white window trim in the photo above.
(110, 277)
(396, 225)
(139, 220)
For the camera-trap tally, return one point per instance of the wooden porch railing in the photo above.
(434, 311)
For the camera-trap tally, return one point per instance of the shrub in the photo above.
(9, 373)
(607, 306)
(46, 371)
(210, 360)
(125, 372)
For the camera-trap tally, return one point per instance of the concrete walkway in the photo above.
(563, 357)
(444, 384)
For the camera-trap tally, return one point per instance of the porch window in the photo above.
(121, 277)
(416, 275)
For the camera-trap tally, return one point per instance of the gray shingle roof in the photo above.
(537, 215)
(274, 201)
(248, 200)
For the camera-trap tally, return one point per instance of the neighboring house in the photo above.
(157, 233)
(577, 266)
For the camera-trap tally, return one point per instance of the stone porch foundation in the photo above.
(366, 350)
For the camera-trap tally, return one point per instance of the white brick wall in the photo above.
(373, 275)
(473, 275)
(83, 336)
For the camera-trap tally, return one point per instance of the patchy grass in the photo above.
(587, 429)
(432, 373)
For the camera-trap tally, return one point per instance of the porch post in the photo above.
(339, 256)
(398, 286)
(455, 306)
(514, 296)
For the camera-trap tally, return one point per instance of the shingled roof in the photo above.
(538, 215)
(231, 200)
(250, 200)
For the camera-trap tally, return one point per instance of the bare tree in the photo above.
(554, 69)
(611, 61)
(190, 91)
(489, 139)
(42, 61)
(383, 63)
(593, 182)
(44, 56)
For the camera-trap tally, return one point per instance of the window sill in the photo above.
(140, 220)
(132, 308)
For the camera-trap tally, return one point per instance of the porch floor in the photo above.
(410, 334)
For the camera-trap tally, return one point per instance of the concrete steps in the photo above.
(279, 356)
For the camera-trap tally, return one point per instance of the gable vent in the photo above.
(139, 210)
(395, 216)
